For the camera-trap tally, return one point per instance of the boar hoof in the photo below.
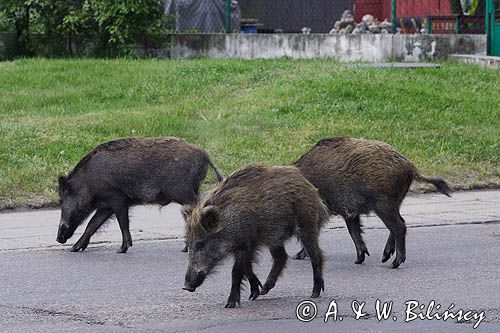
(398, 261)
(77, 247)
(361, 257)
(254, 294)
(231, 303)
(185, 249)
(387, 255)
(319, 285)
(265, 289)
(122, 249)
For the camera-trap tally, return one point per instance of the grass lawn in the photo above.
(52, 112)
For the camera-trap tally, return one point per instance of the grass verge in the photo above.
(446, 120)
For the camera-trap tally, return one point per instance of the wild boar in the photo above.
(255, 206)
(356, 176)
(125, 172)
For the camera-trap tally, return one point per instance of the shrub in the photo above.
(113, 25)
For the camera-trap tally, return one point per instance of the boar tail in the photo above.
(439, 183)
(218, 174)
(324, 215)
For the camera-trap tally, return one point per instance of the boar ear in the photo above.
(63, 184)
(210, 217)
(186, 211)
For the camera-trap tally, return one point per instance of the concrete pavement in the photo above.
(37, 228)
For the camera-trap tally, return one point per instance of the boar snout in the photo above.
(62, 232)
(194, 280)
(61, 240)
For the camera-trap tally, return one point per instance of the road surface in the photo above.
(452, 258)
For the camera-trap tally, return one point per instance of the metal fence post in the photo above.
(393, 18)
(228, 16)
(487, 25)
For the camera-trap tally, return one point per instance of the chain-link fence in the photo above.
(204, 16)
(292, 16)
(255, 16)
(327, 16)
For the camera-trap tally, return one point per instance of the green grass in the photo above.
(446, 120)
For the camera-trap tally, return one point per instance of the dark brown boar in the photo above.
(126, 172)
(254, 207)
(356, 176)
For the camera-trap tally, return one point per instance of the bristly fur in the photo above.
(341, 166)
(357, 176)
(122, 143)
(251, 182)
(250, 186)
(255, 206)
(439, 183)
(131, 171)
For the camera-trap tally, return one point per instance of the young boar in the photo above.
(355, 177)
(255, 206)
(126, 172)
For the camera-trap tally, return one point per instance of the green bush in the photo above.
(5, 25)
(113, 25)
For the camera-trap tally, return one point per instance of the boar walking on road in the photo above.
(254, 207)
(356, 176)
(126, 172)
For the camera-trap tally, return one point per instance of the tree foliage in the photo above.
(113, 24)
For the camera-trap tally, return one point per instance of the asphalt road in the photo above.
(49, 289)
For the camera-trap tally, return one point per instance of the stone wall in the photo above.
(365, 47)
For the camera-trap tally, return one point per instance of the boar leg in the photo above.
(279, 262)
(100, 216)
(237, 277)
(243, 267)
(354, 227)
(253, 280)
(396, 225)
(311, 245)
(390, 247)
(123, 221)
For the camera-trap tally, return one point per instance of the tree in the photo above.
(113, 24)
(119, 23)
(17, 13)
